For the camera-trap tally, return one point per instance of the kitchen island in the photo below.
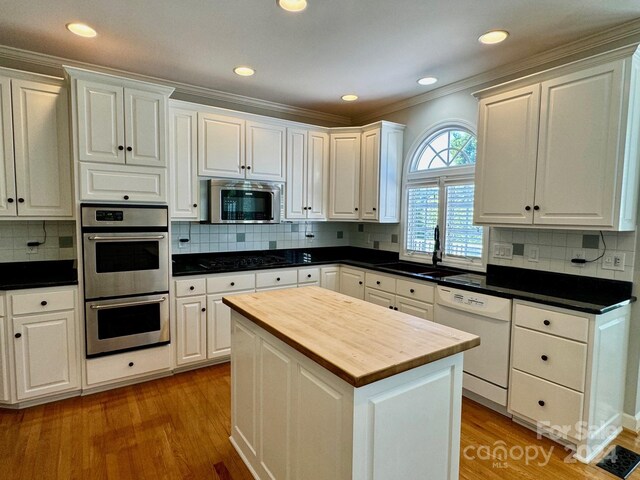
(325, 386)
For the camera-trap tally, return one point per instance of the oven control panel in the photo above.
(109, 215)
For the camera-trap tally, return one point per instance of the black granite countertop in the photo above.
(584, 294)
(17, 275)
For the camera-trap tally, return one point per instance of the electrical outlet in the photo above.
(534, 253)
(613, 261)
(32, 250)
(503, 250)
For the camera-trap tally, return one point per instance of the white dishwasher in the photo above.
(486, 367)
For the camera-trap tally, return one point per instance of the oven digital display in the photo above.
(109, 216)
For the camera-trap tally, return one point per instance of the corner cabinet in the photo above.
(365, 173)
(35, 168)
(120, 137)
(564, 151)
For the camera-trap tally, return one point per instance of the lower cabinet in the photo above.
(352, 282)
(191, 326)
(128, 365)
(4, 372)
(219, 327)
(412, 298)
(330, 278)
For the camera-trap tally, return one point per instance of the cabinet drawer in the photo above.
(115, 182)
(555, 323)
(380, 282)
(423, 292)
(308, 275)
(552, 358)
(276, 278)
(552, 405)
(42, 302)
(231, 283)
(194, 286)
(129, 364)
(416, 308)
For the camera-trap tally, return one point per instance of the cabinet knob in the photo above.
(233, 284)
(126, 197)
(412, 291)
(242, 167)
(541, 403)
(195, 205)
(544, 358)
(129, 149)
(192, 287)
(131, 364)
(10, 200)
(536, 207)
(374, 209)
(21, 200)
(360, 283)
(120, 147)
(395, 308)
(527, 208)
(390, 307)
(356, 209)
(203, 309)
(43, 303)
(377, 282)
(309, 275)
(278, 279)
(547, 322)
(248, 167)
(18, 335)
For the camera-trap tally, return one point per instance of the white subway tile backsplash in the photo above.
(14, 236)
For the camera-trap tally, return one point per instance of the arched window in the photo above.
(439, 200)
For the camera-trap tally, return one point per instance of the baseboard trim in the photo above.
(629, 422)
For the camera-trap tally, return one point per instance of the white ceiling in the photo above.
(374, 48)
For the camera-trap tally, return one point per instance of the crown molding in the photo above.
(628, 32)
(53, 62)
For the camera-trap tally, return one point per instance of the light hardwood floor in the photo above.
(178, 428)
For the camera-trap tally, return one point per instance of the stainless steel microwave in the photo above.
(245, 202)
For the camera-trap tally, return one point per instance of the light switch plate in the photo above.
(613, 261)
(534, 253)
(503, 250)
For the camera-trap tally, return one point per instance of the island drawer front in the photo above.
(42, 302)
(196, 286)
(555, 323)
(416, 290)
(545, 402)
(276, 278)
(552, 358)
(381, 282)
(124, 365)
(231, 283)
(308, 275)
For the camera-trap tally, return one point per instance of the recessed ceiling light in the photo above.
(292, 5)
(81, 29)
(350, 97)
(427, 80)
(493, 36)
(244, 71)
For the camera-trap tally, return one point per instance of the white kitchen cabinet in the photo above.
(183, 163)
(352, 282)
(307, 174)
(128, 365)
(191, 326)
(43, 334)
(106, 182)
(562, 152)
(330, 278)
(413, 298)
(568, 373)
(265, 152)
(219, 327)
(221, 146)
(344, 176)
(4, 361)
(35, 168)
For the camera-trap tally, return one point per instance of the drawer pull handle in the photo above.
(233, 284)
(544, 358)
(278, 279)
(412, 291)
(309, 276)
(541, 403)
(43, 303)
(18, 335)
(378, 282)
(126, 197)
(547, 322)
(131, 364)
(192, 287)
(204, 309)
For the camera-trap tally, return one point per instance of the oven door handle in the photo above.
(127, 304)
(98, 238)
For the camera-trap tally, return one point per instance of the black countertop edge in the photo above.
(40, 274)
(585, 294)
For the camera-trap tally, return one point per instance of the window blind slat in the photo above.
(463, 239)
(422, 218)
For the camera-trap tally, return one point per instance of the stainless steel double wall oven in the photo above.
(126, 277)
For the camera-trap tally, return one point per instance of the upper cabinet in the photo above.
(183, 160)
(562, 151)
(365, 170)
(232, 147)
(120, 130)
(35, 168)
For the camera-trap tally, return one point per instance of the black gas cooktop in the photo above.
(246, 262)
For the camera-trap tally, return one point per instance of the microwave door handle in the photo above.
(98, 238)
(127, 304)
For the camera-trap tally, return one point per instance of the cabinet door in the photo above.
(7, 174)
(296, 187)
(390, 172)
(378, 297)
(219, 327)
(415, 308)
(352, 282)
(220, 146)
(344, 194)
(330, 278)
(100, 122)
(183, 145)
(578, 147)
(317, 175)
(145, 128)
(191, 326)
(370, 174)
(265, 152)
(506, 160)
(113, 183)
(42, 159)
(45, 354)
(4, 374)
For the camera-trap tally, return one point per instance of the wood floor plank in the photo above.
(178, 428)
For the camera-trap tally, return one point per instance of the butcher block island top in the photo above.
(353, 339)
